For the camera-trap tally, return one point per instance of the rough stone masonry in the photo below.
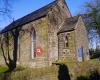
(46, 35)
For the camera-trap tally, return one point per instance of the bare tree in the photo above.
(93, 11)
(8, 40)
(92, 18)
(6, 10)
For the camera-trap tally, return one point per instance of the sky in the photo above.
(21, 8)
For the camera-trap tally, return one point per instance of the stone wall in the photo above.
(46, 29)
(1, 55)
(2, 62)
(81, 39)
(41, 28)
(4, 48)
(24, 51)
(56, 17)
(67, 53)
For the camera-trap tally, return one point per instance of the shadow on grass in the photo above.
(63, 72)
(94, 54)
(93, 75)
(6, 74)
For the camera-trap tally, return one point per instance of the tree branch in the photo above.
(4, 54)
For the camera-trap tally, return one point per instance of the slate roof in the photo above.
(30, 17)
(69, 24)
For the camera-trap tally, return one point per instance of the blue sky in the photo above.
(21, 8)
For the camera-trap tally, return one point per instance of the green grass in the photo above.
(81, 68)
(33, 73)
(3, 69)
(75, 69)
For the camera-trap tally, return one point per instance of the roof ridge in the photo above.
(30, 17)
(49, 4)
(37, 10)
(68, 24)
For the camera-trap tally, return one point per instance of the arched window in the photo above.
(66, 41)
(33, 44)
(18, 48)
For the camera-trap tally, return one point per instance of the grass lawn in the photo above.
(75, 69)
(82, 68)
(3, 69)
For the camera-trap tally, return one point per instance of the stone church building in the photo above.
(47, 35)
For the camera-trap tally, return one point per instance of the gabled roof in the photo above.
(30, 17)
(87, 20)
(69, 24)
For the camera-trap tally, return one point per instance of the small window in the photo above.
(18, 47)
(66, 41)
(33, 44)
